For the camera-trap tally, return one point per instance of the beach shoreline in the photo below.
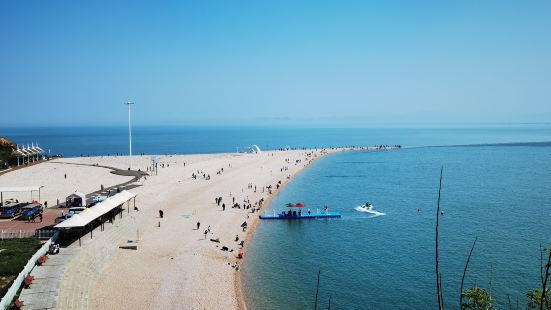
(179, 263)
(239, 281)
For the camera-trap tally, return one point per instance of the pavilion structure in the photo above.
(28, 154)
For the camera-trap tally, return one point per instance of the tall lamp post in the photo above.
(129, 103)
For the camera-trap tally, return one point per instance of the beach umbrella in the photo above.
(296, 205)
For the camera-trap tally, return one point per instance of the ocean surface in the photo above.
(77, 141)
(384, 259)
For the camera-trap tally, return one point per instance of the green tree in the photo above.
(534, 299)
(477, 298)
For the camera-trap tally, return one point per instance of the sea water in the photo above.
(382, 259)
(385, 258)
(93, 140)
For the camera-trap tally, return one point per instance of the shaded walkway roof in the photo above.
(90, 214)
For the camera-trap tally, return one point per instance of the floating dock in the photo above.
(279, 216)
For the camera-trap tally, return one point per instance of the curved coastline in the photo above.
(242, 302)
(175, 246)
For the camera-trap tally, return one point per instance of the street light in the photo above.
(129, 103)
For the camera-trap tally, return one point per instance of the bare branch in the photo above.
(438, 276)
(544, 285)
(317, 290)
(465, 273)
(541, 264)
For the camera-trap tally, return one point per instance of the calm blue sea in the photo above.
(500, 194)
(384, 259)
(77, 141)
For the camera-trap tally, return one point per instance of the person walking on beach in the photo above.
(65, 176)
(161, 213)
(198, 225)
(223, 207)
(206, 232)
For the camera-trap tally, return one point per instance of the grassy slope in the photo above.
(15, 255)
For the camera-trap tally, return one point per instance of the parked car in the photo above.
(10, 210)
(30, 211)
(63, 218)
(8, 202)
(98, 198)
(76, 210)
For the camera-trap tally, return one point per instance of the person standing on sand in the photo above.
(223, 207)
(206, 232)
(65, 176)
(198, 225)
(161, 213)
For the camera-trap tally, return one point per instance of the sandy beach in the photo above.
(59, 180)
(176, 264)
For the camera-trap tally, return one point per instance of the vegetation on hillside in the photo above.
(6, 152)
(14, 255)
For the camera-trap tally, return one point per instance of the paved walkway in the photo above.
(76, 287)
(66, 280)
(42, 292)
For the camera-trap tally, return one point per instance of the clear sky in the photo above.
(321, 63)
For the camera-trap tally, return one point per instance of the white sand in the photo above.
(51, 175)
(173, 268)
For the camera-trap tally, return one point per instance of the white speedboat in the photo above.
(367, 207)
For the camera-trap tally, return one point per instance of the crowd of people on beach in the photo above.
(243, 204)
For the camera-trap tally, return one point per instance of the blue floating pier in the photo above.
(304, 216)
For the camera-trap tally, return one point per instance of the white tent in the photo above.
(89, 215)
(79, 195)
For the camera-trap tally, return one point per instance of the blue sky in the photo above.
(319, 63)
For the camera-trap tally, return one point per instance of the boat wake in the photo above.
(371, 211)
